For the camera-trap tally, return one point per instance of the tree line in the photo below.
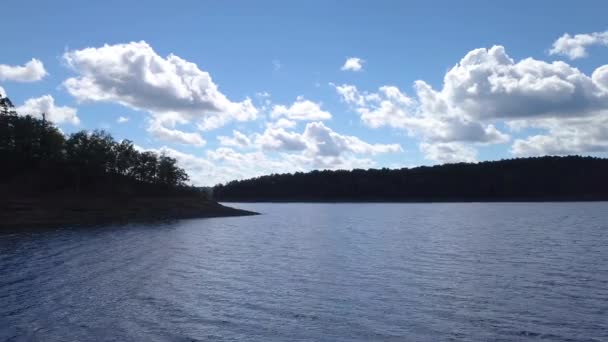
(35, 154)
(524, 179)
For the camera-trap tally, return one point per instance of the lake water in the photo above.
(317, 272)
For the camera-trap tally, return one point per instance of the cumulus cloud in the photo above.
(281, 123)
(122, 119)
(320, 145)
(301, 109)
(225, 164)
(353, 64)
(31, 71)
(324, 141)
(565, 136)
(390, 107)
(163, 128)
(452, 152)
(278, 151)
(487, 83)
(600, 78)
(46, 105)
(487, 86)
(135, 76)
(237, 139)
(575, 47)
(277, 138)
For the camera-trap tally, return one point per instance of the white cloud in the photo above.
(600, 78)
(576, 46)
(301, 109)
(488, 87)
(430, 121)
(135, 76)
(224, 164)
(163, 127)
(122, 119)
(281, 123)
(277, 138)
(278, 151)
(46, 104)
(323, 141)
(487, 83)
(452, 152)
(320, 145)
(32, 71)
(237, 139)
(3, 92)
(353, 64)
(565, 136)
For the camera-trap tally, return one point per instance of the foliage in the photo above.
(540, 178)
(35, 151)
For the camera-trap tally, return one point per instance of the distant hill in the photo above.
(526, 179)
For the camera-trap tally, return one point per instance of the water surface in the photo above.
(317, 272)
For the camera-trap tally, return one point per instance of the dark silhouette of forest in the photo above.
(48, 179)
(525, 179)
(37, 158)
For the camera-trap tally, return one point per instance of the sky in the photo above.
(238, 89)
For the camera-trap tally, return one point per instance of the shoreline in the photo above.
(72, 210)
(362, 201)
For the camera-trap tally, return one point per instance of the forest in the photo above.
(547, 178)
(36, 157)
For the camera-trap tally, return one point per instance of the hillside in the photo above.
(48, 178)
(526, 179)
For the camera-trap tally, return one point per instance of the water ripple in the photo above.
(322, 272)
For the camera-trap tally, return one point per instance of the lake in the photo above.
(317, 272)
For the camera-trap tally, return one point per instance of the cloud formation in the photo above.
(46, 105)
(320, 146)
(237, 139)
(486, 87)
(225, 164)
(353, 64)
(451, 152)
(301, 109)
(135, 76)
(163, 127)
(575, 47)
(31, 71)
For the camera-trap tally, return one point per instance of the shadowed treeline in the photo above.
(37, 158)
(525, 179)
(48, 179)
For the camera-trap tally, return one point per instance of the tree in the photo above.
(34, 148)
(169, 173)
(145, 167)
(125, 157)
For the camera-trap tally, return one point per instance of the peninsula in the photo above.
(50, 179)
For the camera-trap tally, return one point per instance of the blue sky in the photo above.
(261, 87)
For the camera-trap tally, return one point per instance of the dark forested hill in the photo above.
(525, 179)
(48, 178)
(37, 158)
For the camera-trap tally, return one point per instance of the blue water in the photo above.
(317, 272)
